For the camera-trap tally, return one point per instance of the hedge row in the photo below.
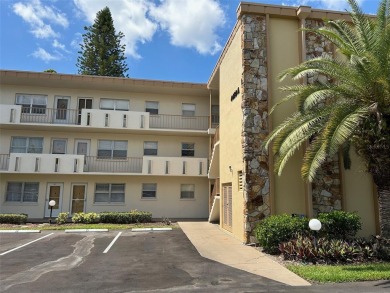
(107, 217)
(126, 218)
(13, 218)
(277, 229)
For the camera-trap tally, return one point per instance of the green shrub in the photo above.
(86, 218)
(339, 224)
(277, 229)
(329, 251)
(62, 218)
(13, 218)
(125, 217)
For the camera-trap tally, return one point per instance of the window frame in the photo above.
(31, 108)
(186, 112)
(115, 106)
(181, 192)
(26, 146)
(110, 193)
(149, 190)
(53, 147)
(150, 110)
(183, 150)
(112, 150)
(151, 149)
(23, 192)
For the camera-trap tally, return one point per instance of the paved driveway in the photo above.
(135, 262)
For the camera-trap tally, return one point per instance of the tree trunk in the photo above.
(384, 210)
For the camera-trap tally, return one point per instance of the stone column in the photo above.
(255, 121)
(326, 187)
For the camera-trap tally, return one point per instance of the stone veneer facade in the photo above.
(255, 121)
(326, 187)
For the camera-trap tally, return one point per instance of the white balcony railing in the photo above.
(71, 164)
(178, 166)
(97, 118)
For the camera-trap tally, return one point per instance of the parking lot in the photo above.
(125, 261)
(115, 262)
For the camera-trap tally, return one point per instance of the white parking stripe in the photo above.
(8, 251)
(112, 242)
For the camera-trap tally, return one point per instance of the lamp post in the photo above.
(315, 225)
(52, 203)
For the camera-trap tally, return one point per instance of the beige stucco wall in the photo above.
(358, 190)
(289, 193)
(230, 130)
(166, 204)
(168, 146)
(168, 103)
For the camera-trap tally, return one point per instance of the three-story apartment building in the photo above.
(97, 144)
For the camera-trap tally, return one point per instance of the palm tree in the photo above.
(351, 106)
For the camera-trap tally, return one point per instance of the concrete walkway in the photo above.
(215, 244)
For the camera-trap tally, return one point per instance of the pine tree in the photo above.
(101, 51)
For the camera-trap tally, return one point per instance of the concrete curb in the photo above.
(20, 231)
(150, 229)
(85, 230)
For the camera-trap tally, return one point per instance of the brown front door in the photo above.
(54, 192)
(78, 198)
(227, 207)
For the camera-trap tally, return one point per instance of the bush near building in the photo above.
(13, 218)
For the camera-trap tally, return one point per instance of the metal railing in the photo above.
(49, 116)
(179, 122)
(4, 161)
(125, 165)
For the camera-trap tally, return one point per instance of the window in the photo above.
(22, 191)
(187, 191)
(187, 149)
(110, 104)
(151, 107)
(58, 146)
(188, 110)
(26, 145)
(33, 104)
(112, 149)
(150, 148)
(110, 193)
(149, 190)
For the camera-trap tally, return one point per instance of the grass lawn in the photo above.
(85, 226)
(343, 273)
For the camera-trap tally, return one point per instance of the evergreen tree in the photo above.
(101, 51)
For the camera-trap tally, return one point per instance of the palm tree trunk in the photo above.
(384, 210)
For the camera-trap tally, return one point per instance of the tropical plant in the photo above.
(101, 51)
(349, 106)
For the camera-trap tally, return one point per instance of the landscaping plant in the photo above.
(277, 229)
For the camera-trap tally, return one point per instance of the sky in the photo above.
(175, 40)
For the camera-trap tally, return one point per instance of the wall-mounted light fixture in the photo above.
(230, 169)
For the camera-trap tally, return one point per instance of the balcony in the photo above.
(79, 164)
(174, 166)
(96, 118)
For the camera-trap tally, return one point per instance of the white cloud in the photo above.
(340, 5)
(42, 54)
(38, 16)
(77, 40)
(56, 44)
(130, 17)
(191, 23)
